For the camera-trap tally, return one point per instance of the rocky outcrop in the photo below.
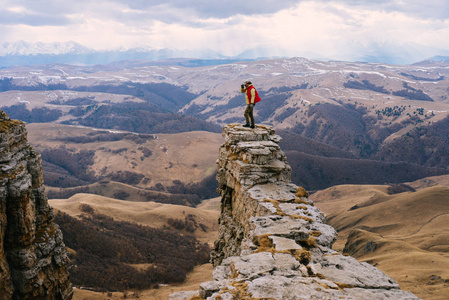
(33, 258)
(273, 242)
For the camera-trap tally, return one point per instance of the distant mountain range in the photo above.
(342, 122)
(24, 53)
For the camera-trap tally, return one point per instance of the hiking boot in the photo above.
(253, 126)
(246, 125)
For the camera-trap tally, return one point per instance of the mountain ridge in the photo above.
(25, 53)
(388, 111)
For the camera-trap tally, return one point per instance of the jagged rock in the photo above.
(33, 258)
(273, 242)
(347, 270)
(280, 226)
(209, 287)
(183, 295)
(283, 244)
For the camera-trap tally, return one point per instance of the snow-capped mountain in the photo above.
(23, 48)
(387, 51)
(24, 53)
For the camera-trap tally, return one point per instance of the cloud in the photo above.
(15, 17)
(430, 9)
(291, 27)
(216, 9)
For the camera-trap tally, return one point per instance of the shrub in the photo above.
(104, 250)
(189, 224)
(127, 177)
(121, 195)
(399, 188)
(75, 164)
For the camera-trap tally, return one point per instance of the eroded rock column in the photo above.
(273, 242)
(33, 258)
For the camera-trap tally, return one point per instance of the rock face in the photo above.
(273, 242)
(33, 258)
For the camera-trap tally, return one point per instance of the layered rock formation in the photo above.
(33, 258)
(273, 242)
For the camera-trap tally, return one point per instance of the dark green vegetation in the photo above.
(316, 172)
(36, 115)
(178, 193)
(343, 144)
(139, 117)
(408, 92)
(106, 250)
(155, 115)
(162, 95)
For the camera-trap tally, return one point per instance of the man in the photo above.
(251, 97)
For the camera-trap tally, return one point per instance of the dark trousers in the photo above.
(249, 114)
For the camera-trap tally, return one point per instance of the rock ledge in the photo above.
(273, 242)
(33, 258)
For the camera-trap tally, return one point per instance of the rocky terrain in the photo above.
(357, 116)
(341, 123)
(33, 258)
(273, 242)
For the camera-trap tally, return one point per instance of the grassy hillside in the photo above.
(317, 172)
(403, 234)
(173, 163)
(114, 233)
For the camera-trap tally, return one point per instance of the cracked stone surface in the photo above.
(33, 257)
(273, 242)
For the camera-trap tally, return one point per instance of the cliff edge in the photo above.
(33, 258)
(273, 242)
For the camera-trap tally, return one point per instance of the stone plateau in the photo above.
(273, 242)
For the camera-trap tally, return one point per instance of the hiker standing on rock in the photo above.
(251, 97)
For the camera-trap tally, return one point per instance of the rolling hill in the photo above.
(163, 162)
(403, 234)
(156, 215)
(375, 123)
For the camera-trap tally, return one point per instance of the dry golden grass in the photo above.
(188, 157)
(110, 188)
(198, 275)
(301, 192)
(409, 230)
(154, 215)
(146, 213)
(211, 204)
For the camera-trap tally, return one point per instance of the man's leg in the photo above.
(247, 115)
(251, 116)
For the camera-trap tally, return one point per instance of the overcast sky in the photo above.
(230, 27)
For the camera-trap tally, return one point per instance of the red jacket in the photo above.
(252, 96)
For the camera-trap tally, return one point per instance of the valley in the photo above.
(401, 232)
(138, 143)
